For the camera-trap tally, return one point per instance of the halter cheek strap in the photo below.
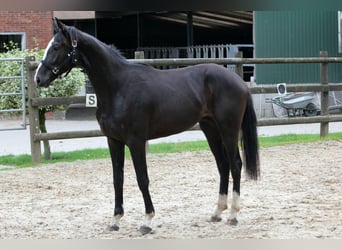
(72, 58)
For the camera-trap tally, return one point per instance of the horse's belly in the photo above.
(164, 133)
(171, 125)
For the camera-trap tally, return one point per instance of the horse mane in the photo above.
(111, 48)
(117, 53)
(114, 51)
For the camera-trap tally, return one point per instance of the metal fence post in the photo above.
(324, 128)
(239, 66)
(33, 111)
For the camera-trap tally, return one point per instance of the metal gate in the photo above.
(204, 51)
(17, 79)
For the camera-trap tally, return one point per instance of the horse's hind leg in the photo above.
(236, 174)
(235, 163)
(216, 146)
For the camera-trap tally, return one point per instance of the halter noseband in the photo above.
(70, 59)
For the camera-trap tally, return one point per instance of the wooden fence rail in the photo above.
(193, 61)
(324, 118)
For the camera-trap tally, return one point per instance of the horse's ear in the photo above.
(59, 26)
(55, 25)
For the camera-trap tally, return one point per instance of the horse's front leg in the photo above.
(138, 153)
(117, 152)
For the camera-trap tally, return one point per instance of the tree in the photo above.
(61, 87)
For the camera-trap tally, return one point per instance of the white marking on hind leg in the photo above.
(221, 206)
(148, 220)
(147, 227)
(235, 208)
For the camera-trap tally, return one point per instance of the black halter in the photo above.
(70, 59)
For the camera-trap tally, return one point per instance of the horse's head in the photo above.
(59, 56)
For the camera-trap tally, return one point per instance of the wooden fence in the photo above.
(34, 102)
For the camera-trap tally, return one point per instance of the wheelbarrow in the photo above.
(296, 104)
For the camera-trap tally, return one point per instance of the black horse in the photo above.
(137, 102)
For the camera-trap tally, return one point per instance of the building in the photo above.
(271, 33)
(296, 34)
(29, 29)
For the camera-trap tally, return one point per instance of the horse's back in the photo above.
(199, 85)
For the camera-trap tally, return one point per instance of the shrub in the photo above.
(61, 87)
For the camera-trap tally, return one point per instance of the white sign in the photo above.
(281, 89)
(91, 100)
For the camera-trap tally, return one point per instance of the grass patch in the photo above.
(21, 161)
(163, 148)
(270, 141)
(16, 160)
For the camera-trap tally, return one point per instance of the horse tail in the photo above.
(249, 140)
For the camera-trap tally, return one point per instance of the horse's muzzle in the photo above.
(40, 83)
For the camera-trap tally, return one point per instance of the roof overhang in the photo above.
(202, 19)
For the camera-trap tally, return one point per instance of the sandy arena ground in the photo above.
(299, 196)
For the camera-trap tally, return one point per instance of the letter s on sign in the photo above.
(91, 100)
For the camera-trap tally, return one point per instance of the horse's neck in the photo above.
(96, 56)
(101, 64)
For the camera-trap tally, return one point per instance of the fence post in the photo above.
(33, 111)
(239, 66)
(324, 128)
(139, 55)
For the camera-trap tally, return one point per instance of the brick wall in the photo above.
(36, 24)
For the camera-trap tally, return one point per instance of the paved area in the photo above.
(18, 141)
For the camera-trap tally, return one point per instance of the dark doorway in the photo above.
(131, 30)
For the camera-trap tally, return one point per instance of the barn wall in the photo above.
(295, 34)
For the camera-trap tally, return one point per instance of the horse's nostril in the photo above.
(37, 79)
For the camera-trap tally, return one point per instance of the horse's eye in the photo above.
(56, 47)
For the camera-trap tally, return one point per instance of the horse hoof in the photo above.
(232, 222)
(215, 218)
(145, 230)
(113, 228)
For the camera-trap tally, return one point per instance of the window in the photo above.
(340, 31)
(18, 38)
